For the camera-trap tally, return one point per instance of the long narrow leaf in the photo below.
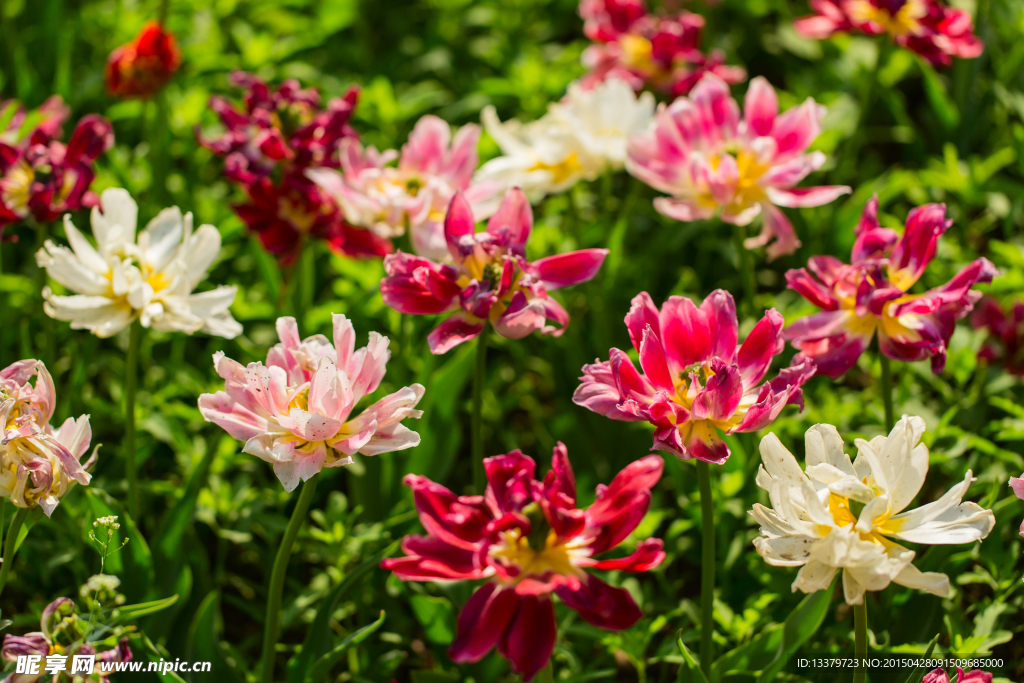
(320, 668)
(129, 612)
(690, 669)
(918, 672)
(798, 627)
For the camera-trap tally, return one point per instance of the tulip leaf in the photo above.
(320, 668)
(318, 637)
(934, 88)
(689, 670)
(436, 616)
(798, 627)
(130, 612)
(918, 672)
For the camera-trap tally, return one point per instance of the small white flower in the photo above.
(150, 278)
(579, 138)
(843, 515)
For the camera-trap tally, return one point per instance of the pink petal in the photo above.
(642, 313)
(459, 227)
(775, 227)
(620, 507)
(460, 521)
(530, 638)
(811, 289)
(430, 559)
(796, 128)
(344, 339)
(836, 354)
(760, 106)
(762, 344)
(602, 605)
(1017, 484)
(718, 113)
(570, 268)
(631, 384)
(806, 196)
(649, 554)
(234, 418)
(721, 395)
(425, 150)
(453, 331)
(653, 361)
(599, 392)
(911, 255)
(521, 318)
(704, 443)
(461, 162)
(512, 222)
(510, 480)
(686, 333)
(685, 210)
(483, 622)
(719, 310)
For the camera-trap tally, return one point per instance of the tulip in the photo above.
(1005, 327)
(413, 196)
(696, 378)
(145, 65)
(711, 160)
(933, 30)
(490, 280)
(648, 51)
(871, 295)
(1017, 484)
(975, 676)
(296, 411)
(527, 539)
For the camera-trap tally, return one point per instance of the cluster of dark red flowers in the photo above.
(647, 51)
(268, 146)
(1005, 343)
(42, 177)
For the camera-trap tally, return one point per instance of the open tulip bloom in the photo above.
(414, 195)
(839, 515)
(490, 280)
(145, 65)
(149, 278)
(38, 464)
(975, 676)
(696, 378)
(872, 294)
(528, 539)
(935, 31)
(297, 410)
(711, 160)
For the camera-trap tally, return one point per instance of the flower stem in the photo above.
(890, 418)
(10, 545)
(131, 377)
(277, 574)
(707, 562)
(746, 269)
(547, 674)
(860, 635)
(477, 436)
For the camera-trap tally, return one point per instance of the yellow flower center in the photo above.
(551, 557)
(902, 22)
(562, 170)
(14, 189)
(747, 192)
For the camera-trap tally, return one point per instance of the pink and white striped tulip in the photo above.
(871, 295)
(711, 160)
(490, 279)
(414, 195)
(295, 412)
(696, 378)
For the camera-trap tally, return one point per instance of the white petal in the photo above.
(200, 252)
(161, 239)
(814, 576)
(824, 446)
(785, 551)
(935, 583)
(852, 591)
(906, 521)
(114, 226)
(965, 523)
(83, 250)
(779, 462)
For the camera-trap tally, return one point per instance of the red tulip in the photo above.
(145, 65)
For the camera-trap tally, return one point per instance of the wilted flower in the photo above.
(62, 632)
(42, 177)
(38, 464)
(268, 146)
(490, 281)
(843, 515)
(644, 50)
(710, 160)
(975, 676)
(529, 540)
(1005, 341)
(150, 279)
(872, 294)
(933, 30)
(1017, 483)
(697, 379)
(296, 412)
(145, 65)
(414, 195)
(580, 137)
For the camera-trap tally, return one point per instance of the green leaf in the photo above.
(918, 672)
(436, 616)
(690, 671)
(798, 627)
(941, 103)
(320, 668)
(175, 523)
(131, 612)
(318, 638)
(428, 676)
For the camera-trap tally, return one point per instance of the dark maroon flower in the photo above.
(529, 540)
(1005, 343)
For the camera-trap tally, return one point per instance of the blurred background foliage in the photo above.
(212, 516)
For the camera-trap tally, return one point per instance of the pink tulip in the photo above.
(490, 279)
(872, 295)
(529, 540)
(933, 30)
(711, 160)
(1017, 484)
(38, 464)
(975, 676)
(296, 412)
(414, 195)
(696, 378)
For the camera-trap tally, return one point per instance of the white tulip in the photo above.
(843, 515)
(150, 278)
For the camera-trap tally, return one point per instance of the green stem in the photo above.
(10, 545)
(860, 636)
(890, 418)
(746, 262)
(707, 562)
(547, 674)
(277, 574)
(46, 353)
(477, 420)
(131, 372)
